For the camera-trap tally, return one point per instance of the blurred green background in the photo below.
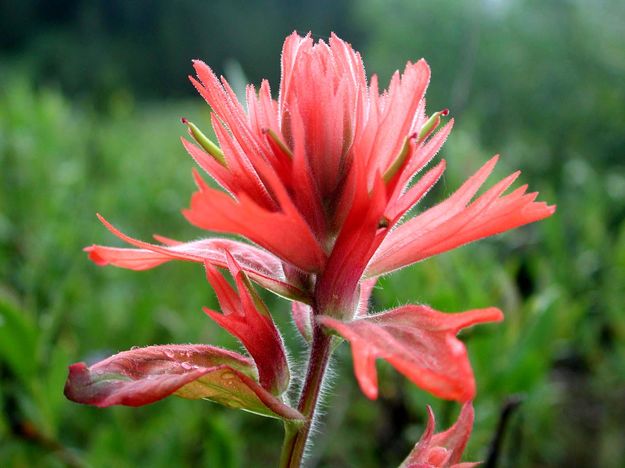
(91, 93)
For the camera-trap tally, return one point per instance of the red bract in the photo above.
(261, 266)
(419, 342)
(144, 375)
(246, 317)
(457, 221)
(443, 450)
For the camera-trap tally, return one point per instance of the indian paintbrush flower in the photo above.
(318, 184)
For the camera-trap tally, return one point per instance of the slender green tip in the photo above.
(433, 122)
(205, 142)
(275, 138)
(399, 160)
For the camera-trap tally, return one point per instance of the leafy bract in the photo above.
(145, 375)
(419, 342)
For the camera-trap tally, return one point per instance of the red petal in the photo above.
(262, 267)
(359, 237)
(420, 343)
(145, 375)
(456, 437)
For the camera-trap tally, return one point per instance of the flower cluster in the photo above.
(317, 184)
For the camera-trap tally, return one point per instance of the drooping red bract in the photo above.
(261, 266)
(443, 450)
(145, 375)
(419, 342)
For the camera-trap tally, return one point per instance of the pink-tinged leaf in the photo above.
(455, 222)
(443, 450)
(145, 375)
(261, 266)
(246, 317)
(419, 342)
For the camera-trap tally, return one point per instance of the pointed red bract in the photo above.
(145, 375)
(337, 289)
(455, 221)
(283, 234)
(419, 342)
(443, 450)
(246, 317)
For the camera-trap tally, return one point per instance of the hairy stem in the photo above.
(295, 438)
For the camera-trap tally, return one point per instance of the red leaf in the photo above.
(419, 342)
(145, 375)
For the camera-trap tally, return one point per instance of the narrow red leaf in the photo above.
(455, 222)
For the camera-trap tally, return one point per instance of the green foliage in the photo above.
(61, 164)
(539, 82)
(147, 46)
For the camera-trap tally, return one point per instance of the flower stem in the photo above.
(295, 437)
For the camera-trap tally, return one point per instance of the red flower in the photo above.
(443, 450)
(319, 181)
(321, 177)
